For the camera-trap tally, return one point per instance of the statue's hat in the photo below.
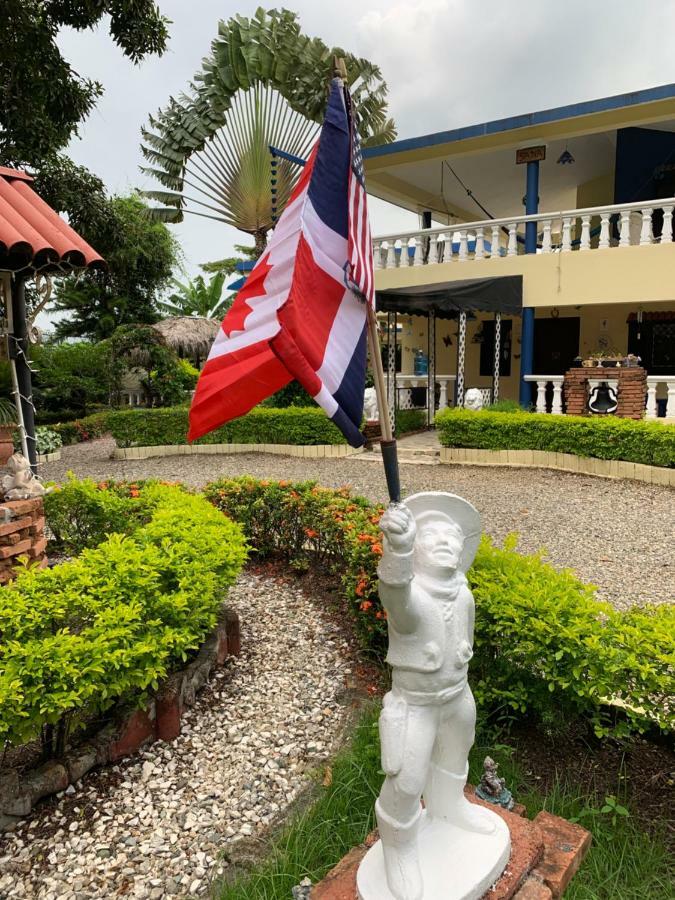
(434, 505)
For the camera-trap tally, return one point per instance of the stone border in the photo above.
(131, 728)
(566, 462)
(49, 457)
(314, 451)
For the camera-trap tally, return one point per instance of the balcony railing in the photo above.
(598, 227)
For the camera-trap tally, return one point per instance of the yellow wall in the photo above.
(629, 275)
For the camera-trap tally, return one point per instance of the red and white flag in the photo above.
(302, 312)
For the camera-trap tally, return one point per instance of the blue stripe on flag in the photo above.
(349, 395)
(347, 427)
(328, 188)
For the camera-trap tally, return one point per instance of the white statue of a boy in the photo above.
(428, 718)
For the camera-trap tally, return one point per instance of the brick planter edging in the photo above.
(22, 533)
(131, 728)
(567, 462)
(330, 451)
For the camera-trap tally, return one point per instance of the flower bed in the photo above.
(649, 443)
(119, 617)
(262, 425)
(543, 645)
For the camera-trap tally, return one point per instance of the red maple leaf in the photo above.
(235, 320)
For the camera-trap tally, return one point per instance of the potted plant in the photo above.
(7, 427)
(608, 358)
(632, 361)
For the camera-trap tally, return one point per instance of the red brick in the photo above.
(38, 525)
(168, 715)
(15, 550)
(135, 731)
(8, 540)
(38, 548)
(22, 507)
(15, 525)
(565, 846)
(233, 633)
(533, 889)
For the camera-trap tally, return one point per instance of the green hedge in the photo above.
(113, 621)
(544, 644)
(606, 438)
(408, 420)
(263, 425)
(86, 429)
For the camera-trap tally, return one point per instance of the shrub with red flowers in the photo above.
(308, 524)
(544, 644)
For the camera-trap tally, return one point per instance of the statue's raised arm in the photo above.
(396, 566)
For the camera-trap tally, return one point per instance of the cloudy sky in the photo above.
(447, 63)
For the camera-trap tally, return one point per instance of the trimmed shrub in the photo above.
(112, 622)
(410, 420)
(605, 438)
(544, 644)
(79, 430)
(47, 439)
(262, 425)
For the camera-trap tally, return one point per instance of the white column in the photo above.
(494, 241)
(624, 240)
(667, 232)
(480, 243)
(443, 395)
(419, 251)
(390, 262)
(646, 230)
(650, 411)
(556, 406)
(377, 255)
(512, 247)
(461, 353)
(604, 231)
(670, 399)
(546, 239)
(447, 247)
(463, 247)
(566, 234)
(585, 243)
(541, 396)
(433, 249)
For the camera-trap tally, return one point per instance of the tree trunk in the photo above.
(260, 243)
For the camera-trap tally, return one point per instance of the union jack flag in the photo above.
(301, 313)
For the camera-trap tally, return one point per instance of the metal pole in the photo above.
(388, 442)
(18, 352)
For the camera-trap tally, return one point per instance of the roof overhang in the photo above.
(502, 294)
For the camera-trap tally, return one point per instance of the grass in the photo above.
(624, 861)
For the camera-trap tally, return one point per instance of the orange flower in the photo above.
(381, 614)
(365, 605)
(134, 492)
(284, 483)
(377, 549)
(311, 533)
(361, 587)
(102, 485)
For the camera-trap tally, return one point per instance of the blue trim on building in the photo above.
(620, 101)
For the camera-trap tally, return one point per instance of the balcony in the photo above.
(568, 231)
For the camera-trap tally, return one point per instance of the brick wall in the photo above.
(632, 390)
(23, 534)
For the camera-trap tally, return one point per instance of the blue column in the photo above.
(527, 335)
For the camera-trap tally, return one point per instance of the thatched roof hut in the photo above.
(190, 336)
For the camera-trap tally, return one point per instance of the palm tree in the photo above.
(264, 84)
(197, 298)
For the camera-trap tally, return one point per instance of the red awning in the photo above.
(33, 235)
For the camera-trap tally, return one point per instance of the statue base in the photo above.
(456, 864)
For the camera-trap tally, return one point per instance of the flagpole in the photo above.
(388, 441)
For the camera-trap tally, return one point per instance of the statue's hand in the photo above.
(398, 527)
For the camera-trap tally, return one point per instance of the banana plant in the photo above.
(197, 298)
(264, 84)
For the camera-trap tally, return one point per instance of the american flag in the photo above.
(359, 268)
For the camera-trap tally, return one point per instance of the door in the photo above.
(556, 344)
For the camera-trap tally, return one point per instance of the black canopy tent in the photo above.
(449, 300)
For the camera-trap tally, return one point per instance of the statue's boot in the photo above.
(401, 862)
(445, 800)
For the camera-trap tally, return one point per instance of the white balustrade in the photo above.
(405, 384)
(542, 382)
(659, 384)
(620, 225)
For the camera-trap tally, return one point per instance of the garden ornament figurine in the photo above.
(492, 788)
(370, 408)
(20, 483)
(473, 399)
(452, 849)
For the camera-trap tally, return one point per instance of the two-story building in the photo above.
(543, 238)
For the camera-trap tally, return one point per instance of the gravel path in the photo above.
(154, 828)
(615, 534)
